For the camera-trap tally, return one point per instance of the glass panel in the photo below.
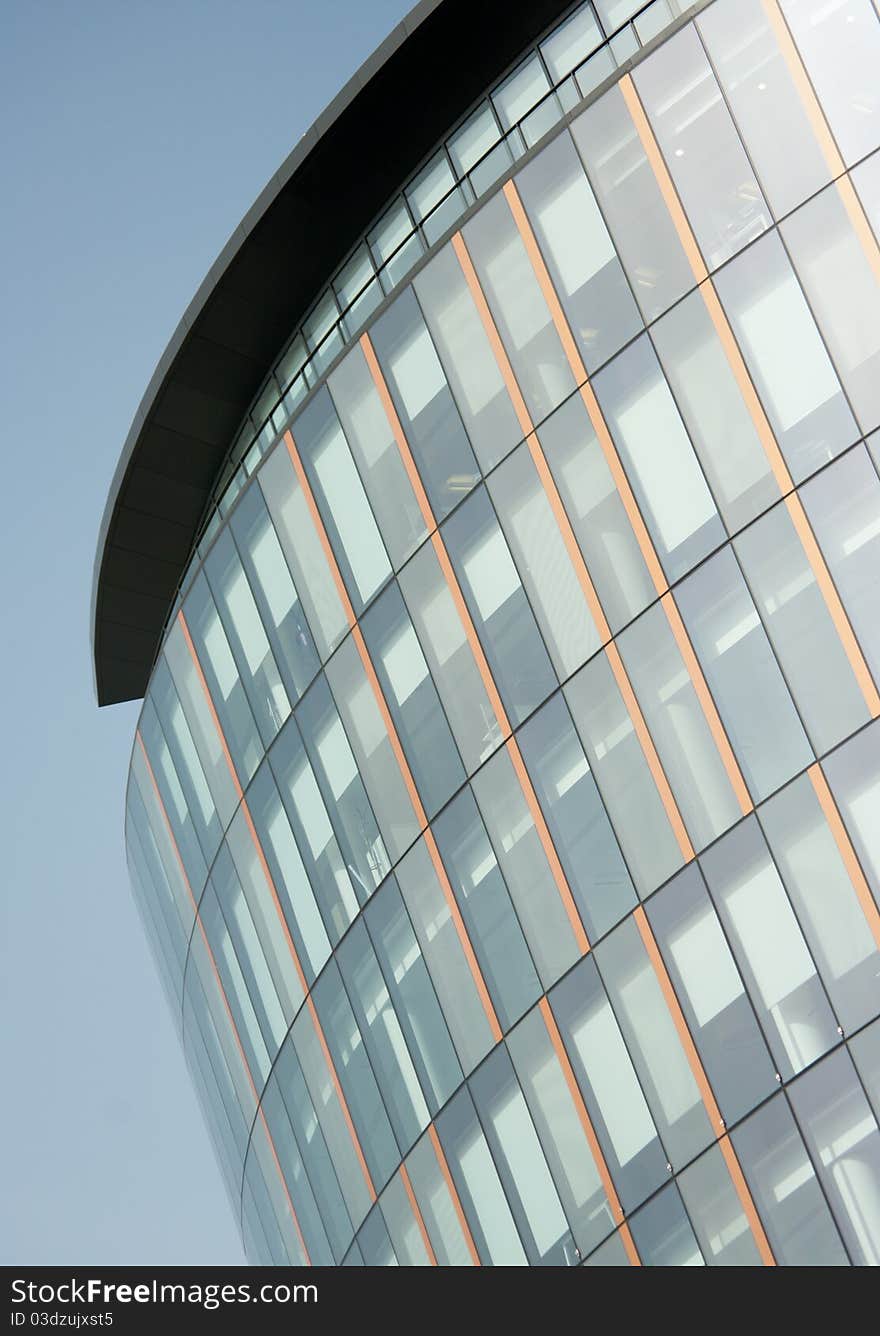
(634, 208)
(525, 867)
(841, 284)
(418, 1013)
(289, 1162)
(622, 775)
(712, 174)
(853, 774)
(468, 360)
(571, 42)
(434, 198)
(519, 1159)
(485, 906)
(579, 252)
(395, 245)
(518, 307)
(678, 727)
(653, 1044)
(520, 91)
(558, 1124)
(376, 453)
(374, 1241)
(610, 1087)
(498, 605)
(805, 638)
(576, 818)
(174, 800)
(843, 506)
(545, 567)
(596, 513)
(201, 725)
(743, 675)
(279, 608)
(302, 548)
(783, 1184)
(376, 762)
(840, 46)
(714, 412)
(716, 1212)
(786, 357)
(841, 1134)
(437, 1207)
(825, 900)
(662, 1232)
(764, 936)
(479, 1187)
(765, 101)
(424, 403)
(438, 938)
(403, 1228)
(712, 996)
(412, 700)
(450, 658)
(659, 459)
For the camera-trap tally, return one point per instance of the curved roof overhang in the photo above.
(376, 132)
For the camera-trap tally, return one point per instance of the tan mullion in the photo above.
(759, 418)
(451, 1189)
(561, 882)
(845, 849)
(224, 999)
(310, 1006)
(823, 135)
(394, 739)
(709, 1102)
(559, 319)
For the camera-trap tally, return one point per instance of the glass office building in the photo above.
(497, 553)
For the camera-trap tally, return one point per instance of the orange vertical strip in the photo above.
(578, 370)
(663, 178)
(461, 930)
(702, 1081)
(707, 704)
(219, 983)
(836, 610)
(584, 1118)
(319, 527)
(414, 1207)
(280, 912)
(562, 886)
(845, 849)
(450, 1186)
(764, 431)
(804, 88)
(397, 431)
(650, 752)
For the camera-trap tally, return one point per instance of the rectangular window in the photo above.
(718, 1218)
(479, 1186)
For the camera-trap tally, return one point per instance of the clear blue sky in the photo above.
(135, 135)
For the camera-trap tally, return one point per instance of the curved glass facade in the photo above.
(504, 807)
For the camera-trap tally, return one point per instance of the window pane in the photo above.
(786, 357)
(712, 996)
(424, 403)
(479, 1187)
(718, 1218)
(714, 412)
(659, 459)
(498, 605)
(853, 773)
(437, 1207)
(375, 450)
(621, 772)
(576, 818)
(484, 902)
(792, 1208)
(634, 208)
(743, 676)
(525, 868)
(844, 292)
(579, 252)
(518, 307)
(467, 357)
(770, 950)
(545, 567)
(678, 727)
(403, 1228)
(662, 1232)
(703, 152)
(763, 98)
(596, 513)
